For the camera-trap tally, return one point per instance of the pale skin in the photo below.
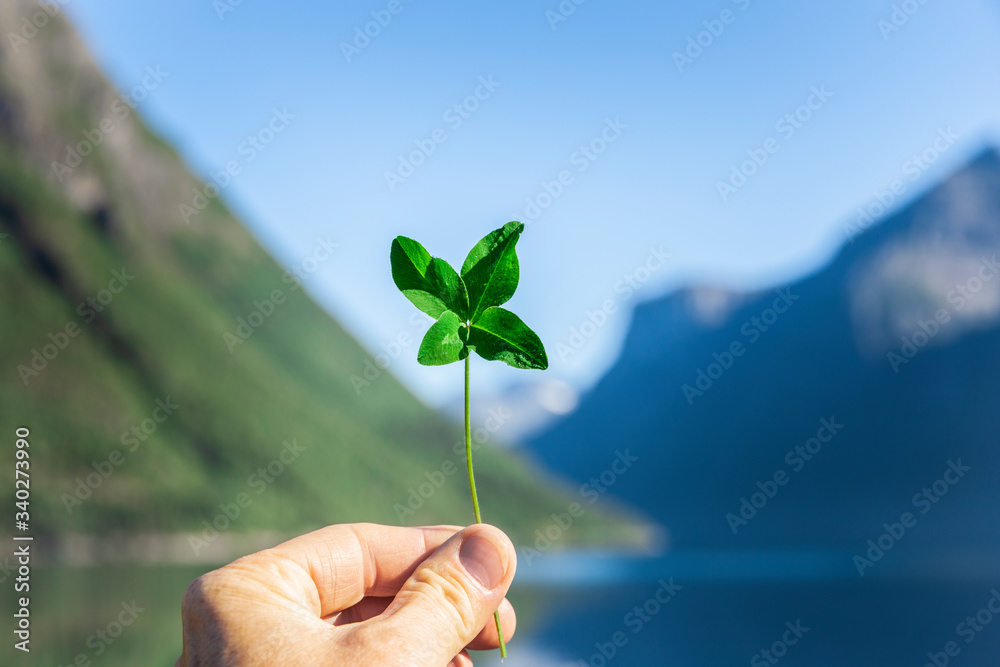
(355, 594)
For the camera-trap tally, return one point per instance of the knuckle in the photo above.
(447, 596)
(197, 592)
(203, 594)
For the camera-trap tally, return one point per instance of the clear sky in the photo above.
(672, 130)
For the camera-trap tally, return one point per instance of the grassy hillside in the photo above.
(162, 336)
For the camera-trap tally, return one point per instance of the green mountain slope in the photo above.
(78, 234)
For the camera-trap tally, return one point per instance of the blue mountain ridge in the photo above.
(890, 354)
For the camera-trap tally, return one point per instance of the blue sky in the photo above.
(556, 86)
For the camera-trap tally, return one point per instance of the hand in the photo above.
(358, 594)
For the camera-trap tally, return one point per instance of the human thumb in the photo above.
(450, 597)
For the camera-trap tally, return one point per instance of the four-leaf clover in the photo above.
(467, 307)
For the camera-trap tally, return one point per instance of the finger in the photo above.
(348, 562)
(461, 660)
(487, 639)
(449, 598)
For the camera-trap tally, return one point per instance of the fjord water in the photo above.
(809, 609)
(699, 609)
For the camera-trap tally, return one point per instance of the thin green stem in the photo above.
(472, 488)
(468, 447)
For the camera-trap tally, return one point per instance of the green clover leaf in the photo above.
(430, 283)
(491, 271)
(444, 342)
(500, 335)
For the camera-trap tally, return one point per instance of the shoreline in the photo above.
(149, 549)
(192, 548)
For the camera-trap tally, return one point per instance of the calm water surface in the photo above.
(688, 610)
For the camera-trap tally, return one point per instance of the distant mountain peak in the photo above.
(710, 306)
(934, 254)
